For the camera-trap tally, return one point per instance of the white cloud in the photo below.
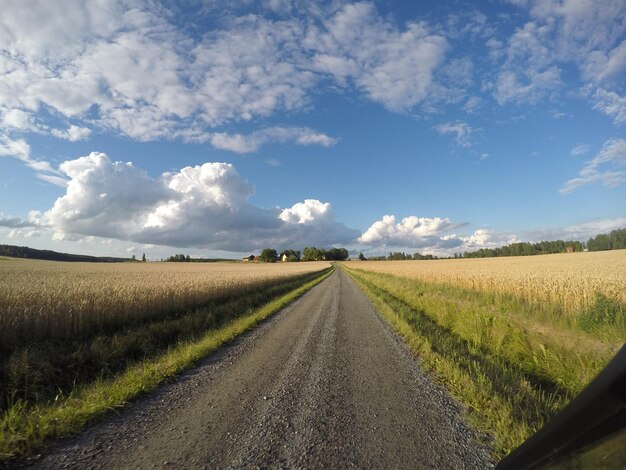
(252, 69)
(17, 119)
(605, 66)
(203, 206)
(52, 179)
(519, 3)
(13, 222)
(412, 231)
(483, 238)
(14, 148)
(437, 235)
(582, 26)
(461, 131)
(581, 149)
(73, 133)
(603, 168)
(127, 64)
(584, 34)
(434, 235)
(392, 66)
(20, 150)
(459, 72)
(526, 86)
(580, 231)
(611, 104)
(473, 104)
(123, 66)
(311, 210)
(251, 143)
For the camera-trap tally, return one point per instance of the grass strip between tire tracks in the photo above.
(23, 429)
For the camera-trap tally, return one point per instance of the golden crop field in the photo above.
(570, 280)
(47, 298)
(513, 338)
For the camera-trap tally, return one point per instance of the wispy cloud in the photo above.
(393, 66)
(72, 133)
(603, 168)
(165, 82)
(20, 150)
(241, 143)
(461, 131)
(581, 149)
(611, 104)
(587, 35)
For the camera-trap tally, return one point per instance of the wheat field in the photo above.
(514, 338)
(43, 299)
(570, 280)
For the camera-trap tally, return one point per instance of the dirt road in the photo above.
(322, 384)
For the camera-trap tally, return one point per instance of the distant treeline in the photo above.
(181, 258)
(310, 253)
(32, 253)
(616, 240)
(526, 249)
(397, 255)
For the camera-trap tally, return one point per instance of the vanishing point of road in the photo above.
(324, 383)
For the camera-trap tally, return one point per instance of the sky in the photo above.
(216, 128)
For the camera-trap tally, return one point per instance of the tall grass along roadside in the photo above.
(51, 388)
(514, 362)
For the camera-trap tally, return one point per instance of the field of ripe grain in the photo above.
(570, 280)
(47, 299)
(515, 338)
(78, 340)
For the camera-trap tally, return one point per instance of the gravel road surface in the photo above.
(322, 384)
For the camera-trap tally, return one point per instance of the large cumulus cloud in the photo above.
(429, 234)
(204, 206)
(411, 231)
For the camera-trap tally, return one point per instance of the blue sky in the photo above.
(216, 130)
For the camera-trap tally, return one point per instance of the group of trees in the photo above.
(616, 240)
(310, 253)
(270, 255)
(526, 249)
(180, 258)
(32, 253)
(397, 256)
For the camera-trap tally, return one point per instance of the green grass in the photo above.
(41, 370)
(511, 367)
(605, 314)
(24, 426)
